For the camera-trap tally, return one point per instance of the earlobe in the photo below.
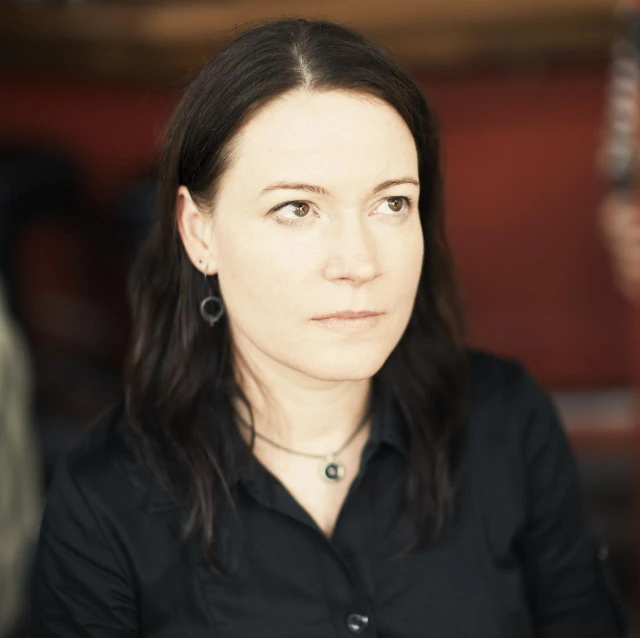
(195, 231)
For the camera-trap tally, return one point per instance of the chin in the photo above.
(347, 365)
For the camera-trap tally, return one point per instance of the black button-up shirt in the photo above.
(519, 561)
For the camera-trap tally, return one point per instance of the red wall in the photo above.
(523, 190)
(520, 153)
(111, 130)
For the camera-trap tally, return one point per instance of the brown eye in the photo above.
(300, 207)
(301, 211)
(399, 205)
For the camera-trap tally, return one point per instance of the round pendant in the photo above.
(331, 471)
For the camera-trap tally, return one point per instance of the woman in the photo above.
(277, 470)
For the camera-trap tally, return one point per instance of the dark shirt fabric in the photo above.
(519, 561)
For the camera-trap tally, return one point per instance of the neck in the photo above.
(314, 418)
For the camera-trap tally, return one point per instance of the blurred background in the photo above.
(537, 101)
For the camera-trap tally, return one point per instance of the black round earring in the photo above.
(209, 317)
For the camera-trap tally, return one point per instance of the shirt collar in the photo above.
(389, 425)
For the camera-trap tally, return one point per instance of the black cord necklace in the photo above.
(330, 469)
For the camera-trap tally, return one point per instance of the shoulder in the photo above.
(106, 526)
(512, 417)
(84, 565)
(103, 447)
(503, 387)
(517, 437)
(518, 446)
(495, 377)
(101, 477)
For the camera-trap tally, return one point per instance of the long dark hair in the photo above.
(176, 362)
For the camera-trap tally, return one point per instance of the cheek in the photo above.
(268, 275)
(405, 262)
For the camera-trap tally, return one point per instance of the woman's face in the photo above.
(286, 255)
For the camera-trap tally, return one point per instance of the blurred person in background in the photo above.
(619, 212)
(306, 445)
(619, 222)
(20, 485)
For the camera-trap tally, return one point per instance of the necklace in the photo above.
(330, 469)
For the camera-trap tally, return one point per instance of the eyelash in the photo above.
(291, 222)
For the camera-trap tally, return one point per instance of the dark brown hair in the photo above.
(176, 362)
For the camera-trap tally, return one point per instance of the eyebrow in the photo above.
(319, 190)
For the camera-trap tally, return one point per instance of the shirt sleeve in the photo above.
(79, 587)
(569, 582)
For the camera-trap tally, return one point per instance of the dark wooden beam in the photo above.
(163, 42)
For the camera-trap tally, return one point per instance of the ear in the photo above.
(195, 230)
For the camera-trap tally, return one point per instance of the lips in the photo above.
(349, 314)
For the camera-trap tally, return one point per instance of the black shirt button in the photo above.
(357, 623)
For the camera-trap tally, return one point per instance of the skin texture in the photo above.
(347, 250)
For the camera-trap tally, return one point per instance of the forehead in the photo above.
(331, 132)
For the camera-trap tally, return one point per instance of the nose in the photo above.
(352, 251)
